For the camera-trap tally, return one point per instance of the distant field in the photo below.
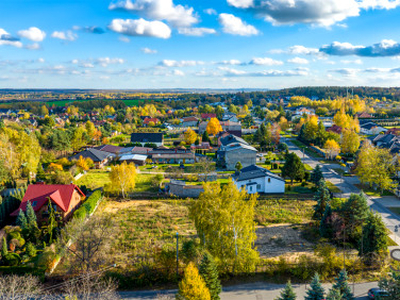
(128, 102)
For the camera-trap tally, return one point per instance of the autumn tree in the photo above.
(224, 219)
(350, 141)
(283, 123)
(123, 178)
(192, 286)
(213, 126)
(190, 136)
(332, 149)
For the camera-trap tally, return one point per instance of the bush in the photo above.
(12, 259)
(88, 206)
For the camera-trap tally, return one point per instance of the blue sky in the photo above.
(135, 44)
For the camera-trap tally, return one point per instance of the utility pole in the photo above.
(177, 254)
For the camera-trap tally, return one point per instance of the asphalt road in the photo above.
(250, 291)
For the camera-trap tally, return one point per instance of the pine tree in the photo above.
(325, 227)
(334, 294)
(4, 248)
(293, 167)
(316, 291)
(21, 220)
(31, 216)
(323, 197)
(192, 286)
(208, 270)
(288, 293)
(342, 285)
(316, 175)
(51, 224)
(375, 238)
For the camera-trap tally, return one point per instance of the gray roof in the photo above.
(253, 172)
(146, 137)
(233, 147)
(232, 139)
(138, 157)
(93, 154)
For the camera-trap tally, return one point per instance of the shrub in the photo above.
(89, 205)
(12, 259)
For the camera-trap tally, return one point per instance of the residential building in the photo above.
(64, 199)
(235, 150)
(109, 148)
(371, 128)
(255, 179)
(164, 155)
(147, 121)
(147, 138)
(190, 122)
(100, 158)
(208, 116)
(228, 126)
(137, 159)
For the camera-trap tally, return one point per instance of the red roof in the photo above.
(208, 116)
(335, 129)
(39, 193)
(190, 119)
(364, 115)
(148, 120)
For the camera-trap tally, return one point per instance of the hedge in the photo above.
(23, 270)
(88, 206)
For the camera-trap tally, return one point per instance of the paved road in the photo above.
(250, 291)
(346, 185)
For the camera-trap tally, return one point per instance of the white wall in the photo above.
(274, 186)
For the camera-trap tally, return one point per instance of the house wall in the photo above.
(245, 156)
(184, 191)
(266, 185)
(74, 204)
(157, 144)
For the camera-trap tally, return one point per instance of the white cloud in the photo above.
(33, 33)
(379, 4)
(265, 73)
(182, 63)
(210, 11)
(148, 51)
(265, 61)
(34, 46)
(234, 72)
(7, 39)
(382, 49)
(298, 60)
(298, 49)
(231, 62)
(179, 73)
(141, 27)
(196, 31)
(124, 39)
(346, 72)
(105, 61)
(176, 15)
(64, 35)
(41, 60)
(349, 62)
(241, 3)
(234, 25)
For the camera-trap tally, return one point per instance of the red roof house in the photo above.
(148, 120)
(364, 115)
(64, 198)
(335, 129)
(208, 116)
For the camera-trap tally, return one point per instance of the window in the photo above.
(251, 188)
(269, 180)
(258, 187)
(34, 203)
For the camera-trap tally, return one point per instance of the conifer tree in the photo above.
(316, 175)
(31, 216)
(192, 286)
(21, 220)
(4, 248)
(325, 227)
(334, 294)
(51, 224)
(375, 238)
(342, 285)
(208, 270)
(316, 291)
(287, 293)
(323, 197)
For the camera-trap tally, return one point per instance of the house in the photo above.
(230, 117)
(147, 121)
(147, 138)
(371, 128)
(395, 131)
(190, 122)
(228, 126)
(64, 199)
(109, 148)
(208, 116)
(235, 150)
(229, 139)
(100, 158)
(137, 159)
(164, 155)
(384, 140)
(255, 179)
(304, 111)
(364, 115)
(335, 129)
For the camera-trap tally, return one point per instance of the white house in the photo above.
(259, 180)
(371, 128)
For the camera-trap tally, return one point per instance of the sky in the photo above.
(159, 44)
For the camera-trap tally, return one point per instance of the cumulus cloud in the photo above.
(148, 51)
(265, 73)
(176, 15)
(234, 25)
(33, 33)
(178, 73)
(7, 39)
(196, 31)
(346, 72)
(34, 46)
(298, 60)
(265, 61)
(379, 4)
(350, 62)
(181, 63)
(141, 27)
(64, 35)
(231, 71)
(241, 3)
(210, 11)
(231, 62)
(105, 61)
(382, 49)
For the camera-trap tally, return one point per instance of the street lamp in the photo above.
(177, 253)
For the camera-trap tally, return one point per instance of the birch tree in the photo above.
(123, 178)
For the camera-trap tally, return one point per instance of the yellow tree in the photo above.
(190, 136)
(123, 178)
(332, 149)
(91, 129)
(192, 286)
(82, 163)
(283, 123)
(350, 141)
(213, 127)
(342, 119)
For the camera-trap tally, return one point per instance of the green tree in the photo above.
(205, 137)
(342, 285)
(4, 248)
(334, 294)
(30, 250)
(325, 227)
(192, 286)
(208, 270)
(31, 216)
(316, 291)
(287, 293)
(316, 175)
(374, 235)
(391, 284)
(21, 220)
(224, 220)
(323, 197)
(238, 166)
(354, 212)
(293, 167)
(51, 223)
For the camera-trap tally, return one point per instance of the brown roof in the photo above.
(190, 119)
(364, 115)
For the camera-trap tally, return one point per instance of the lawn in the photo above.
(371, 192)
(296, 188)
(333, 188)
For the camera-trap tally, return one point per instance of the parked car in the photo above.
(375, 293)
